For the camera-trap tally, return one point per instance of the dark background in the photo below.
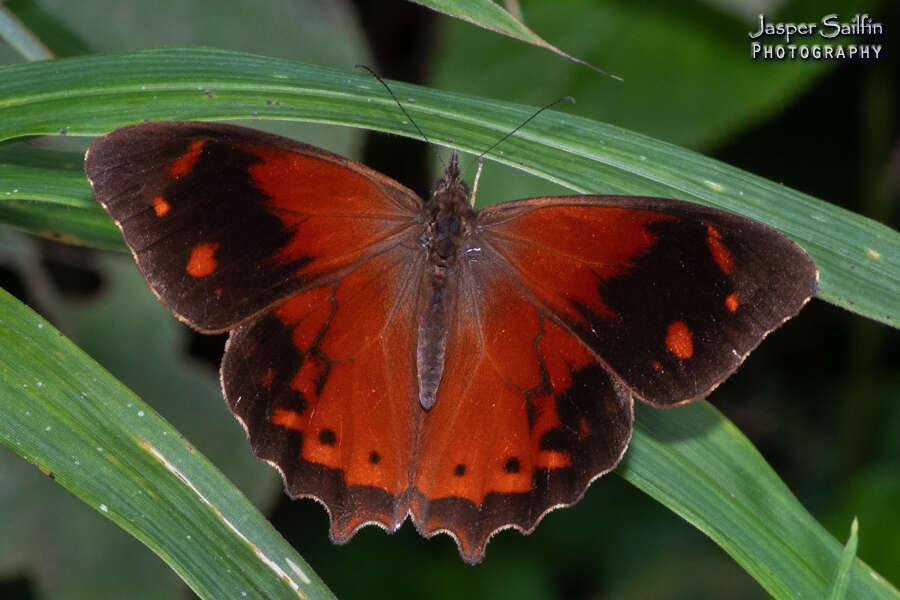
(819, 398)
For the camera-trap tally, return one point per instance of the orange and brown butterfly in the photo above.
(397, 357)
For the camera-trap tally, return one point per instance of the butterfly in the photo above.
(397, 357)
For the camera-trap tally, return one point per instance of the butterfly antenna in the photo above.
(508, 135)
(526, 122)
(394, 96)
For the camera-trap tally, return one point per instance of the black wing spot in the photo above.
(327, 437)
(512, 465)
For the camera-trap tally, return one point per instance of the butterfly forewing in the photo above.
(225, 221)
(670, 296)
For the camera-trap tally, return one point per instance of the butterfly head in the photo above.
(450, 183)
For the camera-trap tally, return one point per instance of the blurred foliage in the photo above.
(819, 398)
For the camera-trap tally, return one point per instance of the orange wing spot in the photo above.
(323, 449)
(367, 472)
(161, 207)
(656, 365)
(203, 260)
(680, 340)
(546, 418)
(719, 253)
(307, 313)
(288, 419)
(268, 378)
(584, 429)
(552, 459)
(562, 354)
(217, 291)
(732, 302)
(510, 483)
(185, 163)
(307, 379)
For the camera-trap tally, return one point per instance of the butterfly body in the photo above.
(396, 358)
(449, 229)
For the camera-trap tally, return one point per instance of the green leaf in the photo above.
(838, 588)
(490, 15)
(118, 317)
(858, 259)
(55, 203)
(691, 459)
(17, 35)
(64, 413)
(698, 464)
(688, 76)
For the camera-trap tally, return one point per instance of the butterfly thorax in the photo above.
(449, 222)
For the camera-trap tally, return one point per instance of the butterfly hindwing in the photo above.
(224, 221)
(671, 296)
(525, 417)
(324, 385)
